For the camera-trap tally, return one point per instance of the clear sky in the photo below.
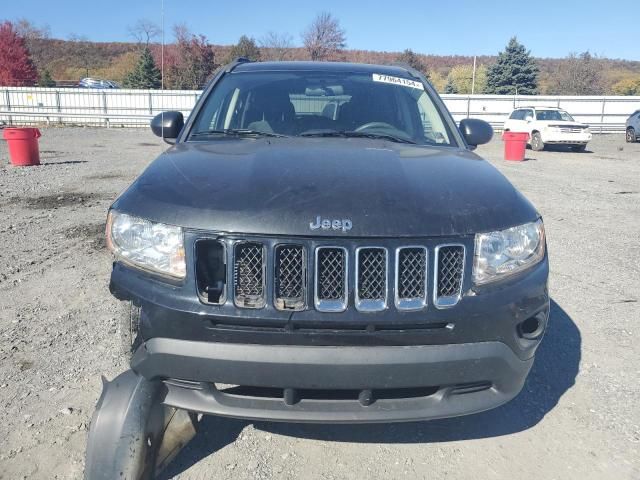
(549, 28)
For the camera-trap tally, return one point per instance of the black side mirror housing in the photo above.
(476, 132)
(167, 125)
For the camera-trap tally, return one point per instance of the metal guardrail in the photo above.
(121, 107)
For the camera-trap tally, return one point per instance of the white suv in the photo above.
(548, 126)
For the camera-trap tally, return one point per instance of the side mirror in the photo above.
(529, 119)
(167, 125)
(476, 132)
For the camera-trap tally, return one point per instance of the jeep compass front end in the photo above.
(322, 245)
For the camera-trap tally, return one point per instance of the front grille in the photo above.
(290, 278)
(331, 279)
(261, 271)
(371, 279)
(450, 269)
(411, 278)
(249, 277)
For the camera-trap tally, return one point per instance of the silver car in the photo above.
(633, 127)
(97, 83)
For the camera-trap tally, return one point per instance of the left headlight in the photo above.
(506, 252)
(148, 245)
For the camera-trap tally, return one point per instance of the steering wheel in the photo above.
(383, 125)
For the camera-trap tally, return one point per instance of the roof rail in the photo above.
(235, 62)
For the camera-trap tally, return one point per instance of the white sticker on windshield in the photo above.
(405, 82)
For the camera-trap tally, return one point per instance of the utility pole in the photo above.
(473, 77)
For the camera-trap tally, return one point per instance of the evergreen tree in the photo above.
(145, 74)
(45, 79)
(515, 72)
(450, 87)
(409, 57)
(247, 48)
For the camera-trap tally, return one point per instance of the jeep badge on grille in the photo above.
(331, 224)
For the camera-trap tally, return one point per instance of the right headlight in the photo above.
(506, 252)
(147, 245)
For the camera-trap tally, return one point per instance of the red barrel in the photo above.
(515, 145)
(23, 146)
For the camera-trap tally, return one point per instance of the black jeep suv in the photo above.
(322, 245)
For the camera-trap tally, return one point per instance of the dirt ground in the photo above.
(578, 416)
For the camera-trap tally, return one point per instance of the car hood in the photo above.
(276, 186)
(564, 123)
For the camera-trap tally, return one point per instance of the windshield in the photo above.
(553, 115)
(308, 103)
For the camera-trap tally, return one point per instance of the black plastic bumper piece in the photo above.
(464, 378)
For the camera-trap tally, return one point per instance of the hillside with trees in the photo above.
(190, 59)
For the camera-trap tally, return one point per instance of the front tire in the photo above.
(631, 135)
(579, 148)
(536, 142)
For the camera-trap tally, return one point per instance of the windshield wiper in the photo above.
(237, 132)
(354, 134)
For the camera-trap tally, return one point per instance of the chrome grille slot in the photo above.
(449, 271)
(290, 277)
(249, 275)
(331, 279)
(371, 279)
(411, 278)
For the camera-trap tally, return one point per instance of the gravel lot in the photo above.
(578, 416)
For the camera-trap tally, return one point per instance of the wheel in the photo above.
(536, 142)
(578, 148)
(128, 326)
(631, 135)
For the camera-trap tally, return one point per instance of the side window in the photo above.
(527, 113)
(515, 115)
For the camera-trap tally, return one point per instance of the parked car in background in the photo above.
(548, 126)
(633, 127)
(97, 83)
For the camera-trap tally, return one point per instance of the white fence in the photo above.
(78, 106)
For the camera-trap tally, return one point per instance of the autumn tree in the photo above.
(144, 31)
(460, 79)
(16, 67)
(324, 37)
(627, 86)
(35, 38)
(515, 72)
(247, 48)
(276, 46)
(84, 53)
(413, 60)
(578, 75)
(193, 61)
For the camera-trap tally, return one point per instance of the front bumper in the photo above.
(377, 384)
(566, 138)
(348, 368)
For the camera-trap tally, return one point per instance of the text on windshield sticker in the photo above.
(405, 82)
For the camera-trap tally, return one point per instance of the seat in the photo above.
(270, 111)
(362, 109)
